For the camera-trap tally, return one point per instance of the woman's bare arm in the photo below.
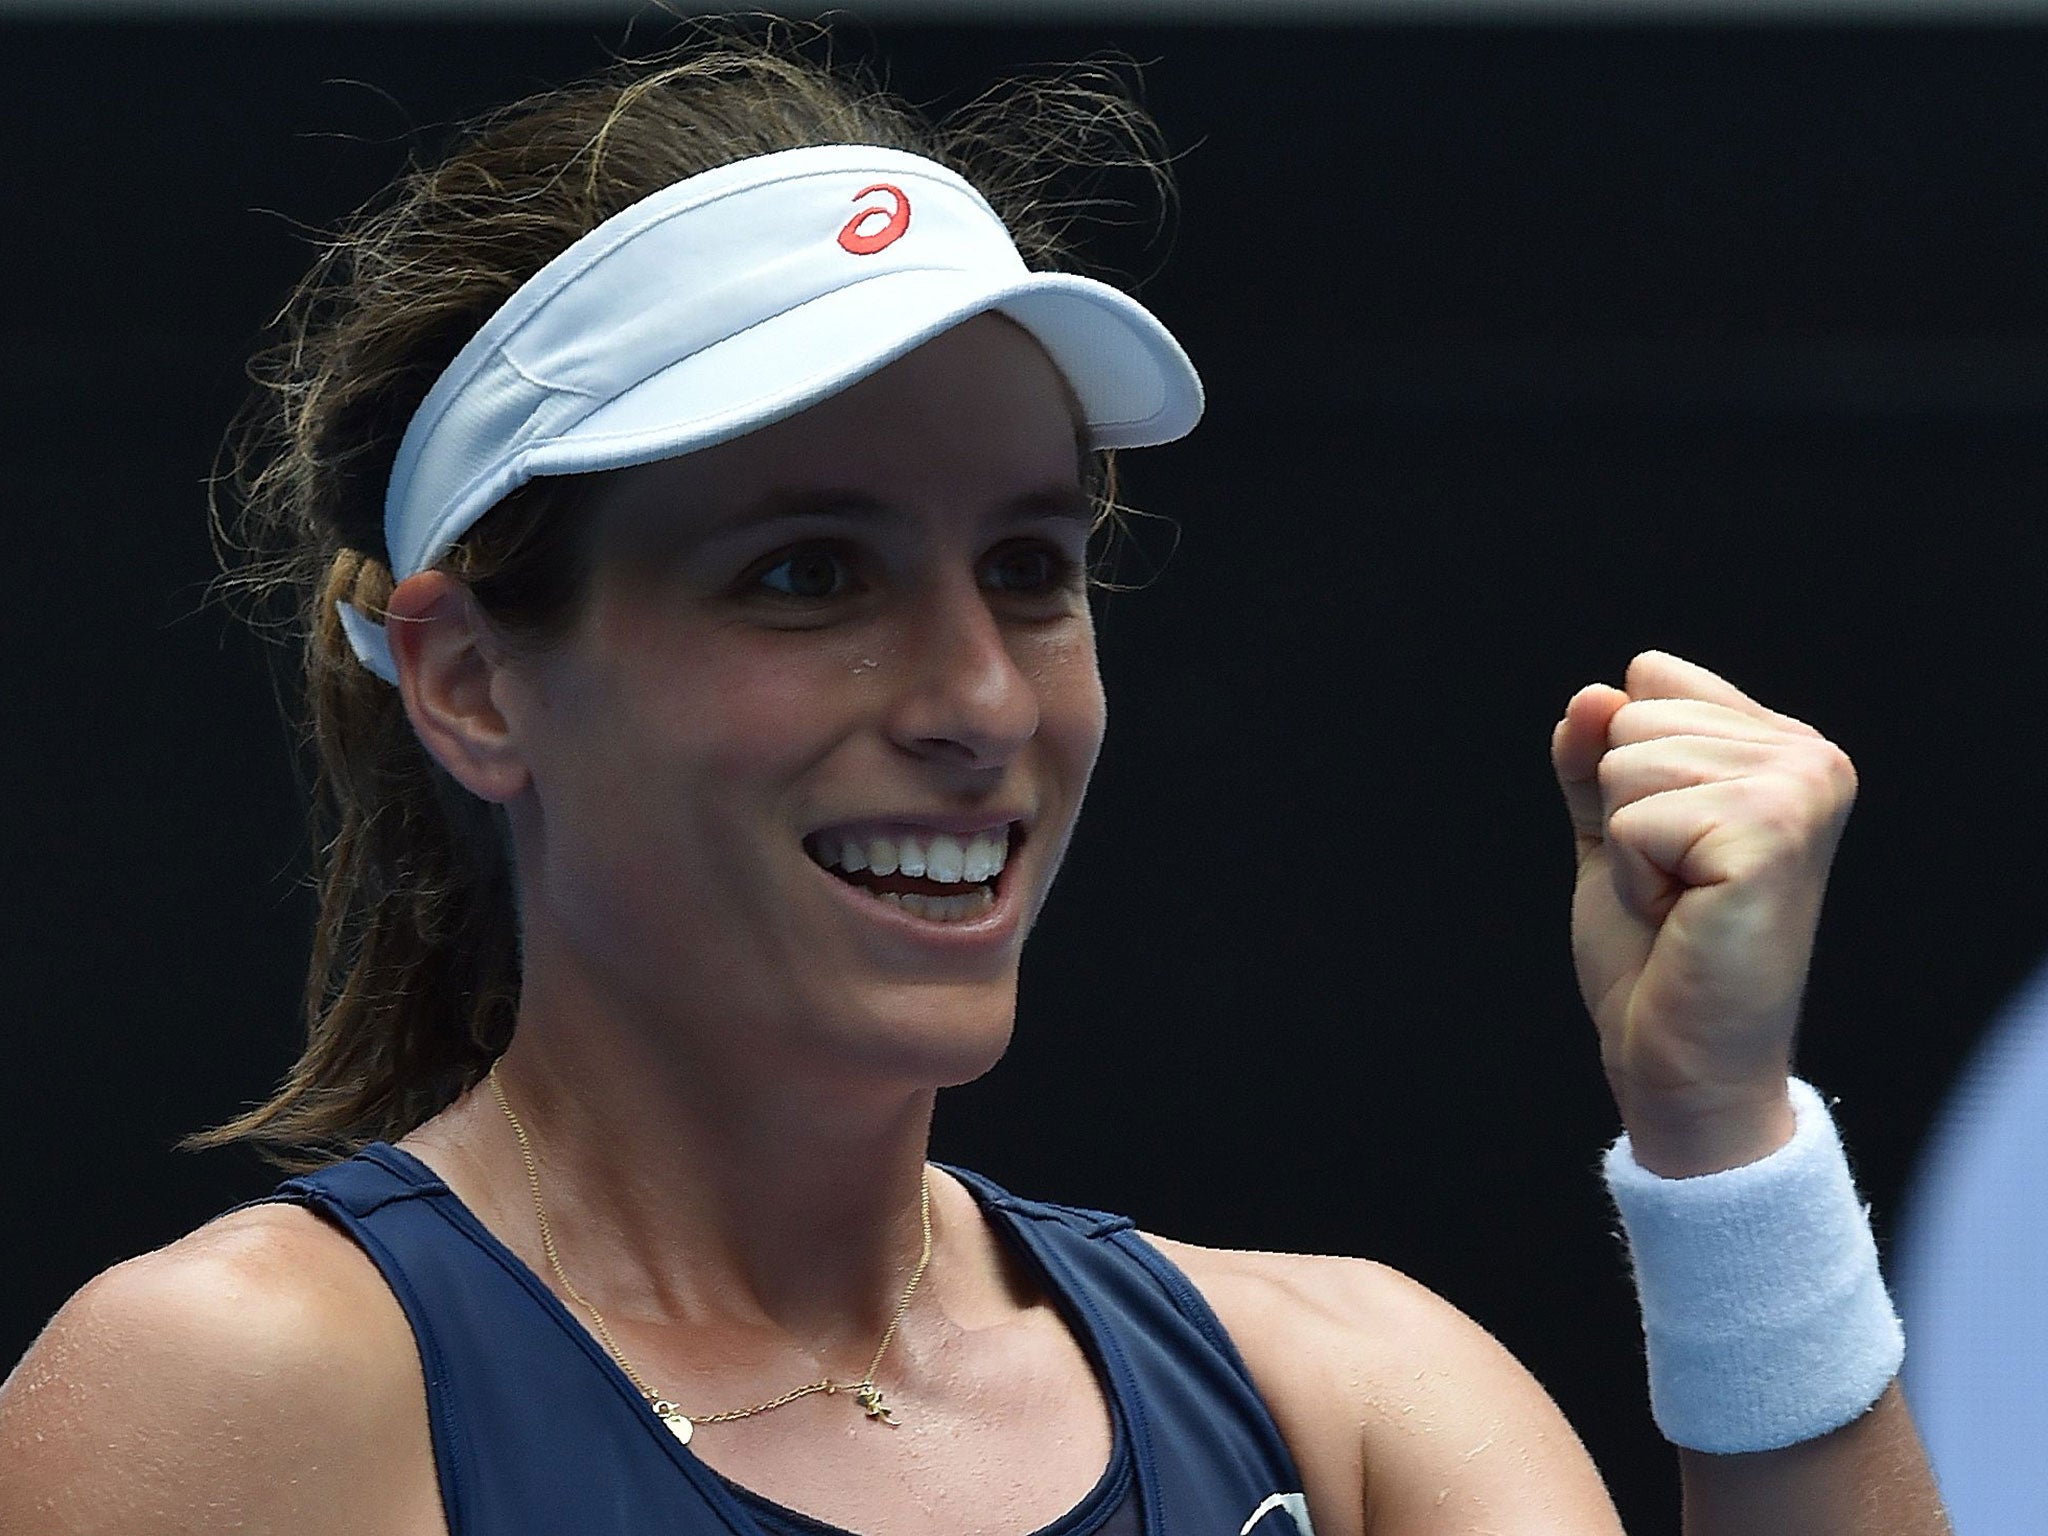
(1706, 825)
(1407, 1418)
(1404, 1416)
(1869, 1476)
(256, 1376)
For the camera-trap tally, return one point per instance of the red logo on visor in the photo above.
(863, 236)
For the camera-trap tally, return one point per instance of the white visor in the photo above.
(737, 298)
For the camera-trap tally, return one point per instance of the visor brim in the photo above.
(1133, 383)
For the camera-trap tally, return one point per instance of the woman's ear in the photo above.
(449, 667)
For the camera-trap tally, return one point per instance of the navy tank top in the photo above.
(536, 1431)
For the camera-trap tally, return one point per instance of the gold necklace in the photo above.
(681, 1424)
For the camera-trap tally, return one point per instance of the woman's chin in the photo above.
(936, 1036)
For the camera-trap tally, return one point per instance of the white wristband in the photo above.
(1765, 1315)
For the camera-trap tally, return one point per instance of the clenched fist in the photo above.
(1706, 824)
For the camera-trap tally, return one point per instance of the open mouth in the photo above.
(941, 877)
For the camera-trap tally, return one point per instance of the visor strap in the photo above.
(369, 641)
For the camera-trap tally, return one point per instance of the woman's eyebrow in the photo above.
(1052, 501)
(1059, 501)
(809, 501)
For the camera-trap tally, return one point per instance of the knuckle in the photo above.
(1626, 823)
(1626, 774)
(1826, 770)
(1793, 809)
(1627, 724)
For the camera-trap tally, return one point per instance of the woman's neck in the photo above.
(680, 1189)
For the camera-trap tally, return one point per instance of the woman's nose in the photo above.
(962, 698)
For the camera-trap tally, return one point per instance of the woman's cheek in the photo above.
(768, 708)
(1066, 671)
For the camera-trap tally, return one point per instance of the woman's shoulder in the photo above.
(254, 1373)
(1325, 1326)
(1296, 1291)
(1393, 1400)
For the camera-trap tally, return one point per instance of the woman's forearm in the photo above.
(1868, 1478)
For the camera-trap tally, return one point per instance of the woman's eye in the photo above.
(808, 573)
(1028, 568)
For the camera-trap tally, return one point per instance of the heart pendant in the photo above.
(677, 1421)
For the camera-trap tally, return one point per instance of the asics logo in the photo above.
(863, 235)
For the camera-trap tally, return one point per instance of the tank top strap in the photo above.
(535, 1430)
(1207, 1455)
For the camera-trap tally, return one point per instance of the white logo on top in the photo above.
(1293, 1505)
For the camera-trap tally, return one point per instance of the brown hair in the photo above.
(413, 984)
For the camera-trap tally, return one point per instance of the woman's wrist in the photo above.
(1684, 1135)
(1765, 1316)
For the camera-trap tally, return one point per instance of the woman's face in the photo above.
(853, 640)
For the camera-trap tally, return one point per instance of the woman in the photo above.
(689, 486)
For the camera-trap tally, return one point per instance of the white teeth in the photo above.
(944, 860)
(945, 909)
(986, 852)
(943, 857)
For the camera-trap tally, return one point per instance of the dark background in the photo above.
(1527, 348)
